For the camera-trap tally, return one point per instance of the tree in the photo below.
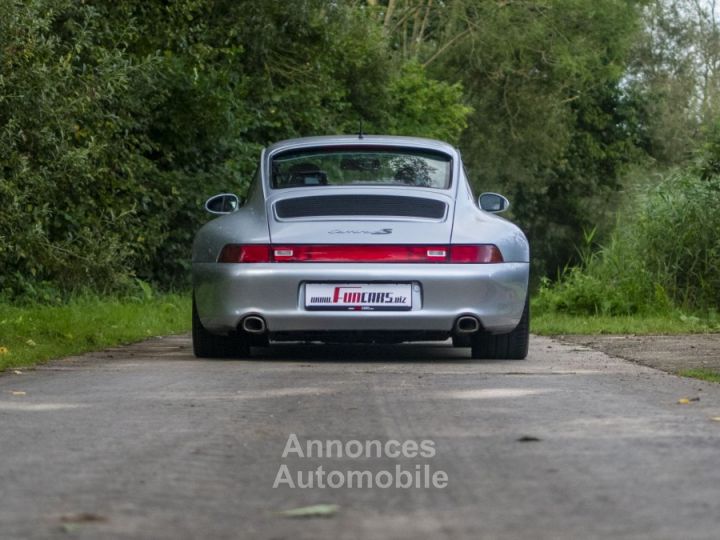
(551, 124)
(675, 71)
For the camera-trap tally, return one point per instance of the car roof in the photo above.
(364, 140)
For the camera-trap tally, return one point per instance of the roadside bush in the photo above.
(75, 181)
(663, 255)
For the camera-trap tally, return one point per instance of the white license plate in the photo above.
(358, 296)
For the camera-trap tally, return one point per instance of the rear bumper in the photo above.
(227, 293)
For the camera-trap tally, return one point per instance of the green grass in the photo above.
(564, 324)
(702, 374)
(34, 333)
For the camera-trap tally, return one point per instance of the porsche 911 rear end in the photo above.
(360, 239)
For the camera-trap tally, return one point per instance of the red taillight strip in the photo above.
(369, 253)
(248, 253)
(477, 254)
(358, 253)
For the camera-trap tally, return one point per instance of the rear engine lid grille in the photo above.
(360, 205)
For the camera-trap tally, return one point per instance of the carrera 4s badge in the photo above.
(349, 231)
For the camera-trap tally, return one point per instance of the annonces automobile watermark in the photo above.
(413, 473)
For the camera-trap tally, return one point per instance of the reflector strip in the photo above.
(391, 253)
(355, 253)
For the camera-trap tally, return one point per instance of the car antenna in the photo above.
(360, 132)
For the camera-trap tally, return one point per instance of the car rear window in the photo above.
(361, 167)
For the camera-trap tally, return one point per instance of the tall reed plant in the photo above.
(663, 255)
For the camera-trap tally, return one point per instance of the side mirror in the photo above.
(225, 203)
(493, 202)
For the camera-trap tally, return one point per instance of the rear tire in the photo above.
(461, 341)
(511, 346)
(209, 345)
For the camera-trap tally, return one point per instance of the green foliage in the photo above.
(707, 154)
(702, 374)
(32, 333)
(551, 127)
(420, 99)
(663, 256)
(87, 201)
(674, 72)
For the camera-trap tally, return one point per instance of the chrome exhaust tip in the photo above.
(253, 324)
(467, 325)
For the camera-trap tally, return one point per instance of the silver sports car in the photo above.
(360, 239)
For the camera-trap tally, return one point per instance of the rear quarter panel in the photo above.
(474, 226)
(249, 224)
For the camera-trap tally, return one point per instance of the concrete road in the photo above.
(148, 442)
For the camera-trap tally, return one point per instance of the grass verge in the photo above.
(34, 333)
(702, 374)
(554, 323)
